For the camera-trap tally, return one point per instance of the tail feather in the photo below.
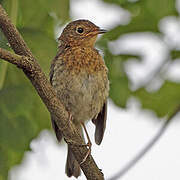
(72, 166)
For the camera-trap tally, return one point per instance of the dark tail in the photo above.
(72, 166)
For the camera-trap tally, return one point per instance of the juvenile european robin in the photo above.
(79, 77)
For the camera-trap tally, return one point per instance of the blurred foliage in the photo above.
(175, 54)
(145, 17)
(164, 101)
(23, 115)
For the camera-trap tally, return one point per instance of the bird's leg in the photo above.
(69, 119)
(89, 144)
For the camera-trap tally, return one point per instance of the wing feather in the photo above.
(100, 123)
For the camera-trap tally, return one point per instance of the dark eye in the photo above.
(80, 30)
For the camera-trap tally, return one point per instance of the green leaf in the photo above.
(164, 101)
(175, 54)
(3, 64)
(61, 9)
(23, 115)
(42, 46)
(120, 2)
(145, 16)
(3, 69)
(33, 14)
(3, 41)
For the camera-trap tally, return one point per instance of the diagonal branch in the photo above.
(25, 60)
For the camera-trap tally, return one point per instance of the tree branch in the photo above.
(26, 61)
(13, 58)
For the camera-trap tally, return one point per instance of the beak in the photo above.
(96, 32)
(102, 31)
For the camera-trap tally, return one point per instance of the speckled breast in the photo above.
(83, 90)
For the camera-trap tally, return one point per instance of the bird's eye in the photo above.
(80, 30)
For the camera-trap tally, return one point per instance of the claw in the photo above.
(89, 144)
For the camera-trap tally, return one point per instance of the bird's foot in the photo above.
(70, 118)
(88, 153)
(89, 144)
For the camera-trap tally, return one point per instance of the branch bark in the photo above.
(24, 59)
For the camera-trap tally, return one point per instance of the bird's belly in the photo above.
(83, 95)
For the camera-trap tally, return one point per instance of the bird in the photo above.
(79, 77)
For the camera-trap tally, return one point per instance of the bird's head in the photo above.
(80, 33)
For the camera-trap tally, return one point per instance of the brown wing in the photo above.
(62, 47)
(100, 123)
(54, 125)
(56, 129)
(60, 51)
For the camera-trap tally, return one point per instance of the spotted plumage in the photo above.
(79, 77)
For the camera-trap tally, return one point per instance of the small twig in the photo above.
(146, 149)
